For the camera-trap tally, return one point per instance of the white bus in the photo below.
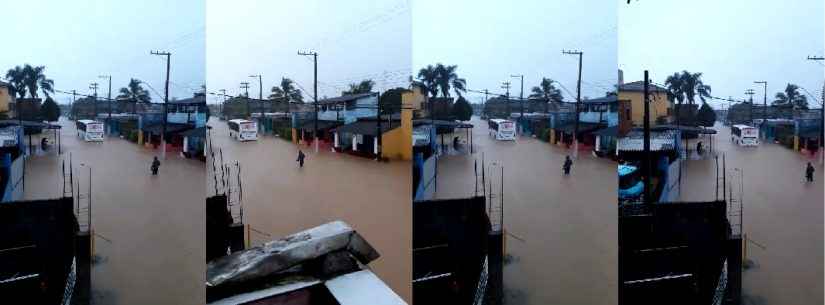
(503, 129)
(90, 130)
(243, 130)
(744, 135)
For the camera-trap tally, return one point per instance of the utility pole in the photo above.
(109, 97)
(506, 86)
(521, 93)
(821, 116)
(93, 86)
(749, 92)
(578, 102)
(74, 110)
(245, 86)
(646, 144)
(764, 105)
(223, 104)
(314, 89)
(165, 102)
(260, 93)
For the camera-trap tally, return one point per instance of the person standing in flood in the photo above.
(809, 172)
(301, 158)
(568, 163)
(155, 166)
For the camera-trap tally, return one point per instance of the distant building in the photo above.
(661, 107)
(348, 108)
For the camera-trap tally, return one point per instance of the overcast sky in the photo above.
(492, 40)
(78, 41)
(733, 43)
(355, 40)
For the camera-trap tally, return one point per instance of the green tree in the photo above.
(441, 78)
(287, 90)
(30, 79)
(365, 86)
(692, 86)
(448, 79)
(706, 116)
(390, 100)
(50, 111)
(462, 109)
(791, 98)
(16, 77)
(134, 91)
(427, 77)
(547, 91)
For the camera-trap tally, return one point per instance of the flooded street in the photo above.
(150, 248)
(783, 216)
(279, 198)
(562, 231)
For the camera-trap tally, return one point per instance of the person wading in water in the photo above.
(809, 172)
(300, 159)
(567, 165)
(155, 166)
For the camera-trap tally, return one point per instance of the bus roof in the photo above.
(499, 121)
(88, 121)
(742, 126)
(239, 121)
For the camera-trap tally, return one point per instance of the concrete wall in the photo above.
(397, 143)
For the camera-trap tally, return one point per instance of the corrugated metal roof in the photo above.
(659, 141)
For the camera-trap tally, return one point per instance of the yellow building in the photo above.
(5, 97)
(661, 107)
(397, 143)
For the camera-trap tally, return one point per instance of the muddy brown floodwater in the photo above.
(280, 199)
(151, 247)
(561, 242)
(782, 215)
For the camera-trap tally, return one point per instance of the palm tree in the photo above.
(446, 78)
(545, 90)
(791, 97)
(693, 86)
(286, 90)
(427, 76)
(16, 79)
(674, 87)
(134, 91)
(365, 86)
(34, 79)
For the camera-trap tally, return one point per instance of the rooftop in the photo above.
(638, 86)
(347, 98)
(326, 263)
